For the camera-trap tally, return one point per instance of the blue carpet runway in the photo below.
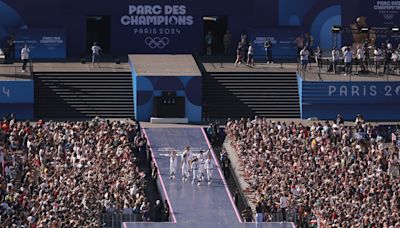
(209, 206)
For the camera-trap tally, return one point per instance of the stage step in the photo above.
(83, 95)
(274, 95)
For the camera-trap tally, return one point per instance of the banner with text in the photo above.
(282, 40)
(160, 28)
(382, 16)
(374, 100)
(43, 43)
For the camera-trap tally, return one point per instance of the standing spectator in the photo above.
(11, 49)
(347, 58)
(283, 203)
(209, 41)
(243, 40)
(25, 57)
(318, 57)
(335, 59)
(247, 214)
(154, 175)
(96, 49)
(236, 197)
(299, 41)
(211, 133)
(268, 51)
(259, 214)
(361, 57)
(166, 211)
(366, 49)
(243, 37)
(304, 58)
(225, 162)
(158, 211)
(309, 42)
(227, 43)
(339, 119)
(388, 55)
(239, 53)
(250, 56)
(378, 56)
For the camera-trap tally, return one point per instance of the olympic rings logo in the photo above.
(156, 42)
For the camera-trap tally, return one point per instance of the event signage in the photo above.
(157, 24)
(387, 10)
(282, 40)
(351, 91)
(375, 100)
(43, 43)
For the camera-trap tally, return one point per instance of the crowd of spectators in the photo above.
(66, 174)
(344, 175)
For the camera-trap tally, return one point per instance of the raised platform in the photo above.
(164, 65)
(312, 74)
(13, 71)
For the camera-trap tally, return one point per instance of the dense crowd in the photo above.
(66, 174)
(346, 176)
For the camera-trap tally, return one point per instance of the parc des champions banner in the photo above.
(160, 28)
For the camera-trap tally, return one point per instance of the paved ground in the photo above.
(193, 206)
(13, 71)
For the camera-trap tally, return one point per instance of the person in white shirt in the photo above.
(209, 167)
(378, 56)
(195, 169)
(2, 56)
(96, 49)
(347, 58)
(361, 57)
(173, 162)
(250, 54)
(304, 53)
(283, 203)
(335, 59)
(202, 164)
(185, 167)
(25, 57)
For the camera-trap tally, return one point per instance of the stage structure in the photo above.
(166, 88)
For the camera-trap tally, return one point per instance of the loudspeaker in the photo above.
(83, 60)
(117, 61)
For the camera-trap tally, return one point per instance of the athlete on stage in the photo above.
(173, 162)
(185, 167)
(202, 165)
(195, 169)
(209, 167)
(189, 157)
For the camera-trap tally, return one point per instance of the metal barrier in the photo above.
(109, 220)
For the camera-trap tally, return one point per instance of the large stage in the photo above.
(191, 205)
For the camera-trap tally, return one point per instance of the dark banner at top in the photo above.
(381, 13)
(160, 28)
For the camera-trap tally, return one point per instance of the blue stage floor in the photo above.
(193, 206)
